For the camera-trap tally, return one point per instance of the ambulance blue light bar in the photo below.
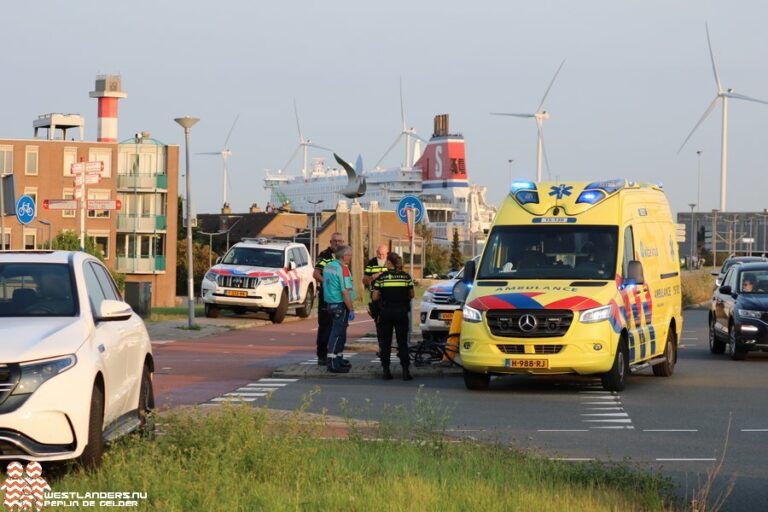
(608, 186)
(522, 185)
(591, 196)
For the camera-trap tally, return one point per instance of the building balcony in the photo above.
(141, 224)
(140, 265)
(142, 182)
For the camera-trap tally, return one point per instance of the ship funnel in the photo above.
(441, 125)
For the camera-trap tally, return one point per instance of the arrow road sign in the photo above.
(90, 179)
(60, 204)
(104, 204)
(81, 167)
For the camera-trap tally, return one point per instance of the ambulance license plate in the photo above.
(236, 293)
(533, 364)
(446, 316)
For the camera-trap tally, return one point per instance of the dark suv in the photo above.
(735, 260)
(738, 316)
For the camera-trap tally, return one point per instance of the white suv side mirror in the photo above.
(292, 265)
(114, 311)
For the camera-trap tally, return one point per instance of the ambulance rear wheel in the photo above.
(615, 378)
(666, 368)
(476, 381)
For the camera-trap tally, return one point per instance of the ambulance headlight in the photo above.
(471, 315)
(594, 315)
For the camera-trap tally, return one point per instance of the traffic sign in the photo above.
(104, 204)
(80, 167)
(410, 202)
(90, 179)
(59, 204)
(25, 209)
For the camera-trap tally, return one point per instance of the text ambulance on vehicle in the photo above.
(576, 278)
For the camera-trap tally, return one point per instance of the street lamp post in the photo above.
(714, 239)
(187, 123)
(698, 184)
(693, 234)
(510, 168)
(313, 232)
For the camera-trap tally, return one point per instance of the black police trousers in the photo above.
(393, 317)
(323, 329)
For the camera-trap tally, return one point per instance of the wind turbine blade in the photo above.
(712, 58)
(312, 144)
(701, 120)
(402, 107)
(550, 86)
(295, 152)
(512, 115)
(413, 134)
(746, 98)
(298, 126)
(350, 171)
(544, 151)
(390, 148)
(210, 153)
(226, 141)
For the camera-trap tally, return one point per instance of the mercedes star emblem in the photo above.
(527, 323)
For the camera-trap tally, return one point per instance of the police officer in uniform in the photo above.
(373, 269)
(394, 291)
(323, 317)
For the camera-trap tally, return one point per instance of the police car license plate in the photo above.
(446, 316)
(236, 293)
(534, 364)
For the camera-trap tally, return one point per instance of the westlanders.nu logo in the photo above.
(24, 488)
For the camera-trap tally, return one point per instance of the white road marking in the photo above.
(278, 380)
(627, 420)
(754, 430)
(603, 414)
(605, 408)
(238, 393)
(232, 399)
(562, 430)
(670, 430)
(613, 427)
(686, 460)
(599, 403)
(572, 459)
(689, 339)
(268, 384)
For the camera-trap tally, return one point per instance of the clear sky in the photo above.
(636, 80)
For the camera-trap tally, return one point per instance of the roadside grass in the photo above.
(234, 458)
(697, 287)
(176, 313)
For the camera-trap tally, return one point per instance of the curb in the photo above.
(363, 370)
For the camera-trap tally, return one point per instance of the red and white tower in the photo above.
(108, 90)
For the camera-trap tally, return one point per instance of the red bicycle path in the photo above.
(193, 371)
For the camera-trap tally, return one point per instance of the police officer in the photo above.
(323, 317)
(373, 269)
(394, 290)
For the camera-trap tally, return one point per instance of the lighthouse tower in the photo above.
(108, 91)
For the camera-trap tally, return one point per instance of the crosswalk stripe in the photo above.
(278, 380)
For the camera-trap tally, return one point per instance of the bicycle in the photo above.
(26, 210)
(433, 350)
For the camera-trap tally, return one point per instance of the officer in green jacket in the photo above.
(323, 318)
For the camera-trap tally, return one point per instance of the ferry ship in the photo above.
(438, 176)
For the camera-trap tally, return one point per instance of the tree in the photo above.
(435, 257)
(201, 254)
(457, 257)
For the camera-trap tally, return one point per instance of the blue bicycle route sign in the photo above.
(25, 209)
(410, 202)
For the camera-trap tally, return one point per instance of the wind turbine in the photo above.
(540, 115)
(723, 94)
(304, 144)
(225, 153)
(405, 132)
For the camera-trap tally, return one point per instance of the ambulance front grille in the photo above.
(548, 349)
(549, 323)
(512, 349)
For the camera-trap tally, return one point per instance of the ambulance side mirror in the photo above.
(635, 272)
(460, 292)
(469, 272)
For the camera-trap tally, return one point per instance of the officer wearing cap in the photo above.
(323, 317)
(394, 291)
(373, 269)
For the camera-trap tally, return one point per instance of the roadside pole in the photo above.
(82, 203)
(2, 212)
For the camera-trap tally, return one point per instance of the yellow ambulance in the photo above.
(575, 278)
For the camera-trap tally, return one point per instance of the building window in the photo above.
(69, 193)
(30, 164)
(6, 159)
(6, 245)
(102, 155)
(101, 240)
(30, 240)
(70, 157)
(31, 192)
(98, 194)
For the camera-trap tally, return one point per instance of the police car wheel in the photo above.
(476, 381)
(211, 311)
(666, 368)
(305, 309)
(278, 315)
(615, 378)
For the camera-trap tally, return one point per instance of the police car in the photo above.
(261, 275)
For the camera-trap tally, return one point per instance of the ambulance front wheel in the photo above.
(476, 381)
(666, 368)
(615, 378)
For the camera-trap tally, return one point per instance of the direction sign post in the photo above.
(85, 173)
(410, 210)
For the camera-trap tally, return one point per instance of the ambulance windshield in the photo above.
(550, 252)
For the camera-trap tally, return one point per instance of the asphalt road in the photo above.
(679, 424)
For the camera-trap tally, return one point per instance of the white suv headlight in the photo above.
(427, 297)
(211, 276)
(269, 280)
(594, 315)
(471, 314)
(34, 373)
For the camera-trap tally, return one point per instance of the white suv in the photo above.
(261, 275)
(75, 361)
